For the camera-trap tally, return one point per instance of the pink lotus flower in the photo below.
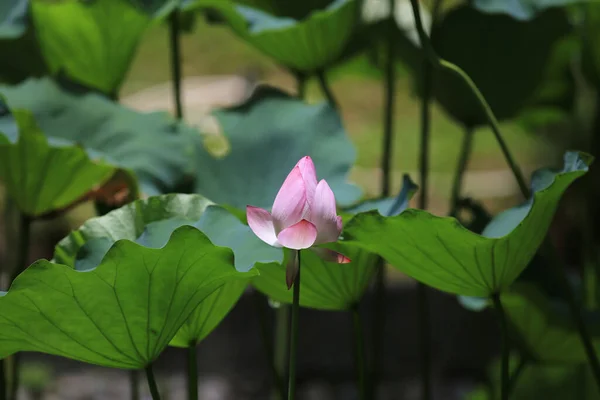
(303, 215)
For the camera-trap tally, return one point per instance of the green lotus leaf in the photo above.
(90, 42)
(21, 56)
(541, 381)
(267, 135)
(122, 313)
(153, 145)
(43, 174)
(591, 44)
(301, 35)
(150, 223)
(543, 328)
(392, 205)
(522, 10)
(441, 253)
(503, 56)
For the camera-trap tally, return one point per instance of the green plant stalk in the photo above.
(192, 372)
(359, 353)
(134, 378)
(301, 80)
(514, 377)
(504, 378)
(321, 76)
(24, 232)
(294, 334)
(282, 335)
(175, 50)
(465, 155)
(3, 380)
(389, 94)
(152, 383)
(279, 390)
(438, 62)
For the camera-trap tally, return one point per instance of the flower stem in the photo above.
(192, 372)
(294, 334)
(152, 383)
(282, 336)
(465, 154)
(321, 76)
(175, 49)
(504, 380)
(359, 349)
(493, 122)
(514, 377)
(134, 378)
(267, 344)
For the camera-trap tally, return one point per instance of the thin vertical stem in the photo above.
(282, 336)
(465, 155)
(301, 85)
(514, 377)
(134, 387)
(152, 383)
(3, 379)
(504, 379)
(493, 122)
(20, 266)
(268, 345)
(359, 353)
(175, 49)
(294, 334)
(192, 372)
(326, 89)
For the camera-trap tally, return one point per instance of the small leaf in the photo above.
(91, 42)
(443, 254)
(268, 134)
(299, 35)
(121, 314)
(153, 145)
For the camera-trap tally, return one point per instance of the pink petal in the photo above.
(309, 175)
(290, 204)
(301, 235)
(323, 214)
(261, 223)
(331, 256)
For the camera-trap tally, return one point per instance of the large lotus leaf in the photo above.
(591, 44)
(392, 205)
(43, 175)
(153, 145)
(121, 314)
(267, 135)
(544, 328)
(301, 35)
(21, 55)
(539, 381)
(150, 223)
(91, 42)
(441, 253)
(503, 56)
(522, 10)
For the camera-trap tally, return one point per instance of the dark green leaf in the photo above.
(13, 18)
(443, 254)
(591, 44)
(523, 10)
(267, 136)
(302, 35)
(91, 42)
(121, 314)
(503, 56)
(156, 147)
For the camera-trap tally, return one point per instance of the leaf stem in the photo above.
(504, 379)
(438, 62)
(175, 50)
(321, 76)
(3, 379)
(514, 377)
(294, 334)
(301, 80)
(359, 353)
(134, 388)
(152, 383)
(465, 155)
(192, 372)
(282, 336)
(267, 344)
